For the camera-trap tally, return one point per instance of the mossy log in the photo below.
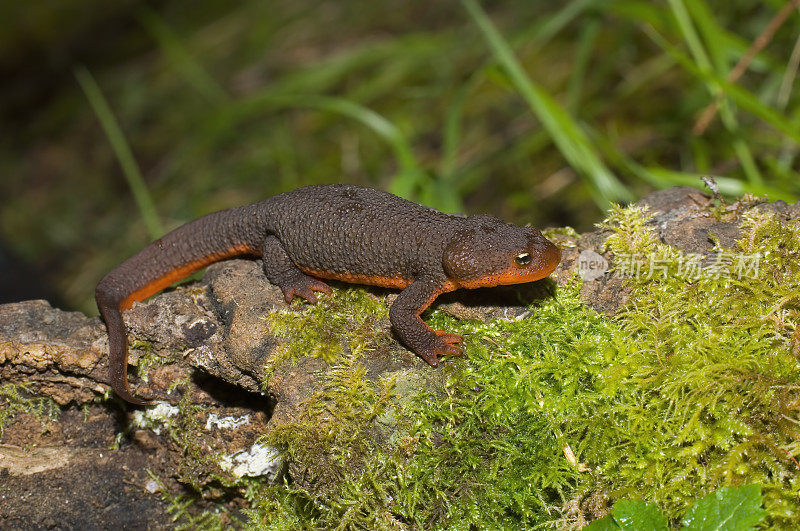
(333, 388)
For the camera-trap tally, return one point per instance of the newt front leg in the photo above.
(420, 338)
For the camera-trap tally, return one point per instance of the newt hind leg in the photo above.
(281, 271)
(303, 286)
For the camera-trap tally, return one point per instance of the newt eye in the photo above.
(523, 259)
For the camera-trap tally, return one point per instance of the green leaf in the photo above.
(637, 515)
(729, 508)
(604, 524)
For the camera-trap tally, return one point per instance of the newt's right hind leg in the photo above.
(281, 271)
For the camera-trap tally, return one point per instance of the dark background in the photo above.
(225, 103)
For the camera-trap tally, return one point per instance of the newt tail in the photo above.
(179, 254)
(340, 232)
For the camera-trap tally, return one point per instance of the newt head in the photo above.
(489, 252)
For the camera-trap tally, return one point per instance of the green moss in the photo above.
(335, 430)
(275, 508)
(147, 359)
(483, 454)
(16, 399)
(348, 321)
(179, 506)
(488, 454)
(343, 481)
(199, 466)
(703, 391)
(549, 233)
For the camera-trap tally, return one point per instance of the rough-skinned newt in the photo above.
(340, 232)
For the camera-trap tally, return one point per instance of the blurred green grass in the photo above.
(540, 113)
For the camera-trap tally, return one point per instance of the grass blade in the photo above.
(586, 43)
(705, 64)
(567, 14)
(194, 73)
(411, 175)
(741, 96)
(122, 150)
(411, 178)
(452, 129)
(565, 132)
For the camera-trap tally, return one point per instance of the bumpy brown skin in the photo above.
(337, 232)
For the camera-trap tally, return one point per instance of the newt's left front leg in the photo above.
(404, 315)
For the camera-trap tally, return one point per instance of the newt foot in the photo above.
(305, 288)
